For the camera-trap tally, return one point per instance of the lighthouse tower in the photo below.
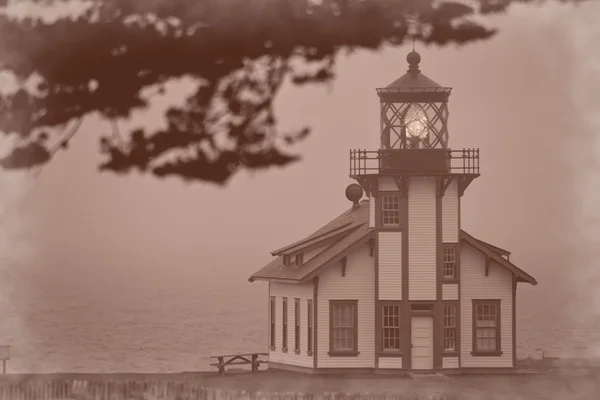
(415, 182)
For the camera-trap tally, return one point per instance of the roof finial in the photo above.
(413, 58)
(354, 193)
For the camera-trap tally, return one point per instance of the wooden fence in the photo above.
(61, 389)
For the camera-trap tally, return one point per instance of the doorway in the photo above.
(422, 342)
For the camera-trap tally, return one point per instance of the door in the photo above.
(422, 342)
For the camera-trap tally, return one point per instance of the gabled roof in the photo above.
(353, 229)
(489, 250)
(341, 223)
(496, 249)
(332, 235)
(346, 233)
(275, 270)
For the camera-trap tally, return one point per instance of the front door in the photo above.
(422, 342)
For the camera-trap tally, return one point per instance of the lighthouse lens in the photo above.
(416, 121)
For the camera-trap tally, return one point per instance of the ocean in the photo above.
(171, 319)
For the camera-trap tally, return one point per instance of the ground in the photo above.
(582, 384)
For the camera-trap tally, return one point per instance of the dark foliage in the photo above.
(239, 52)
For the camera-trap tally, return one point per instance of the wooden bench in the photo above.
(238, 359)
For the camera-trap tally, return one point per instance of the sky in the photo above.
(526, 98)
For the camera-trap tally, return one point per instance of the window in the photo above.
(284, 332)
(390, 206)
(450, 262)
(272, 322)
(450, 336)
(299, 259)
(297, 326)
(309, 340)
(486, 327)
(343, 331)
(286, 259)
(390, 327)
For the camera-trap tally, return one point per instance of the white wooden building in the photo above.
(394, 283)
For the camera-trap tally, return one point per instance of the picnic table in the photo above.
(252, 359)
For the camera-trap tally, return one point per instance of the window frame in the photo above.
(456, 328)
(284, 324)
(397, 196)
(390, 352)
(455, 248)
(272, 322)
(297, 326)
(309, 328)
(343, 353)
(497, 304)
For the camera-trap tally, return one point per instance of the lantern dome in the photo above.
(414, 78)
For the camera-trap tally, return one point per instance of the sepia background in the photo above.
(108, 273)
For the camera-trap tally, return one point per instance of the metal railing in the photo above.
(414, 90)
(414, 162)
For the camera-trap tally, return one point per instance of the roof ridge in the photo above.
(348, 233)
(298, 246)
(309, 238)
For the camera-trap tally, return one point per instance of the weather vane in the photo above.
(413, 28)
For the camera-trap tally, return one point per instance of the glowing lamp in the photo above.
(416, 121)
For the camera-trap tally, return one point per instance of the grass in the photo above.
(279, 385)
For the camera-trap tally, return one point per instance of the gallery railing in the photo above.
(414, 162)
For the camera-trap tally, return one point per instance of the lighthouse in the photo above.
(394, 283)
(415, 182)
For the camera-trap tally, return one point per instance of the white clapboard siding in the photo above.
(450, 291)
(387, 183)
(450, 210)
(291, 291)
(422, 239)
(475, 285)
(450, 362)
(390, 265)
(390, 362)
(372, 212)
(358, 284)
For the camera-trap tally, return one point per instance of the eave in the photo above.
(489, 252)
(495, 248)
(276, 280)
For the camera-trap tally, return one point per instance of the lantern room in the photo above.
(414, 110)
(414, 134)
